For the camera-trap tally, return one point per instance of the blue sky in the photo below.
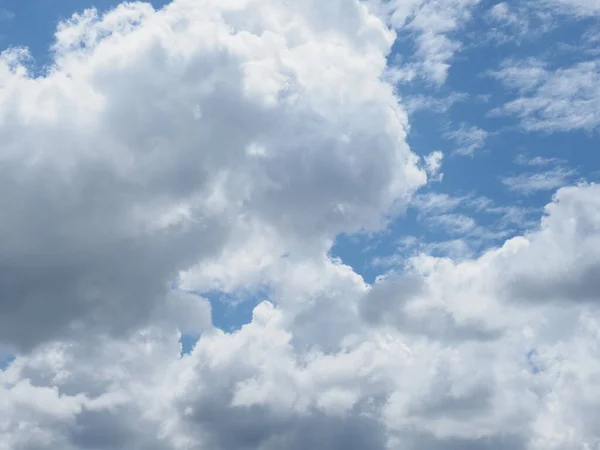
(497, 171)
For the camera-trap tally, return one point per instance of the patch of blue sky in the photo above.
(187, 343)
(229, 311)
(531, 357)
(6, 361)
(232, 310)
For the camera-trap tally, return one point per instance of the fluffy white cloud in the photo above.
(442, 356)
(158, 138)
(223, 145)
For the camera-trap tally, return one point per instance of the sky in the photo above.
(265, 224)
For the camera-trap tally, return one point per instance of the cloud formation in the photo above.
(552, 100)
(158, 137)
(223, 145)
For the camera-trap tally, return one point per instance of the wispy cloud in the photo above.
(578, 8)
(436, 203)
(563, 99)
(469, 139)
(417, 103)
(530, 183)
(456, 224)
(537, 161)
(433, 25)
(5, 15)
(433, 165)
(517, 21)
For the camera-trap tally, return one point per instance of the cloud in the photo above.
(433, 25)
(121, 184)
(502, 16)
(552, 100)
(436, 358)
(440, 105)
(578, 8)
(548, 180)
(6, 15)
(469, 139)
(453, 223)
(569, 230)
(516, 22)
(433, 202)
(433, 164)
(195, 148)
(537, 161)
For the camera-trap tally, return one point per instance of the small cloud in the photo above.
(435, 203)
(502, 14)
(513, 23)
(537, 161)
(433, 26)
(468, 139)
(577, 8)
(6, 15)
(435, 104)
(530, 183)
(433, 164)
(456, 224)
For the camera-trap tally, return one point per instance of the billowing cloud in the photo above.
(224, 145)
(157, 137)
(439, 358)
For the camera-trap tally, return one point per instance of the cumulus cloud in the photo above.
(439, 357)
(136, 156)
(223, 145)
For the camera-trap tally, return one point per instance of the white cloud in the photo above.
(537, 161)
(502, 14)
(580, 8)
(121, 184)
(433, 164)
(469, 139)
(435, 203)
(439, 358)
(552, 100)
(418, 103)
(514, 22)
(548, 180)
(433, 24)
(453, 223)
(129, 167)
(5, 15)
